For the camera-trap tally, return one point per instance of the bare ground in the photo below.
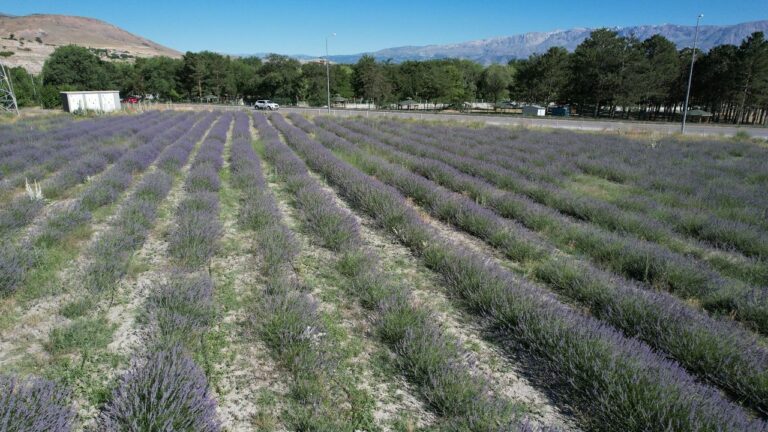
(249, 387)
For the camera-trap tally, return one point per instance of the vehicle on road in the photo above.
(265, 104)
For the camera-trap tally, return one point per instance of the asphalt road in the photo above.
(547, 122)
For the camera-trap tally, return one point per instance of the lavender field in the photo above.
(233, 271)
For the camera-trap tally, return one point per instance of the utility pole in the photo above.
(690, 74)
(7, 96)
(328, 71)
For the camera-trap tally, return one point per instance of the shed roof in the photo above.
(89, 91)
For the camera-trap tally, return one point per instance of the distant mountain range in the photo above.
(505, 48)
(28, 40)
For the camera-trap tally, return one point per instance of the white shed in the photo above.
(99, 100)
(534, 110)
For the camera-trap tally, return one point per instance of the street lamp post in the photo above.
(690, 74)
(328, 71)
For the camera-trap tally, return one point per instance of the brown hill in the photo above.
(28, 40)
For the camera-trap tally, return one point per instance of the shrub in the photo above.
(278, 248)
(194, 240)
(34, 405)
(19, 213)
(61, 224)
(181, 309)
(167, 392)
(14, 263)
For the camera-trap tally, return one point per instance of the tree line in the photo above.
(606, 75)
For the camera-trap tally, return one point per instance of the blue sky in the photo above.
(299, 27)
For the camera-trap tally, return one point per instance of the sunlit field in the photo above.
(238, 271)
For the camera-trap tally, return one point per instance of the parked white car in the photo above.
(266, 105)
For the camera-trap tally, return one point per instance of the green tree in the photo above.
(75, 66)
(662, 69)
(495, 82)
(751, 74)
(714, 81)
(543, 78)
(633, 71)
(315, 80)
(281, 79)
(313, 76)
(596, 67)
(245, 73)
(193, 74)
(369, 80)
(411, 80)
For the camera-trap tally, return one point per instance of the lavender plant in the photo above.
(166, 391)
(34, 405)
(639, 260)
(194, 239)
(591, 364)
(426, 355)
(181, 310)
(288, 320)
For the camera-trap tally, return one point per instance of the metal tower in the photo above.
(7, 96)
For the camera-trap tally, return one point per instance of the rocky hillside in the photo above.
(28, 40)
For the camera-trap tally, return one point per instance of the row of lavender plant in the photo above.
(27, 132)
(728, 188)
(193, 241)
(34, 405)
(10, 133)
(82, 161)
(286, 317)
(21, 146)
(640, 260)
(717, 350)
(427, 355)
(750, 270)
(615, 383)
(165, 388)
(139, 133)
(38, 405)
(29, 159)
(110, 255)
(701, 225)
(723, 177)
(657, 226)
(643, 261)
(16, 260)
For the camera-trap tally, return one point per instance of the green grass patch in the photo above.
(258, 146)
(596, 187)
(43, 279)
(77, 308)
(78, 375)
(137, 265)
(80, 335)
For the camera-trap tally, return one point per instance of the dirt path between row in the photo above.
(249, 387)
